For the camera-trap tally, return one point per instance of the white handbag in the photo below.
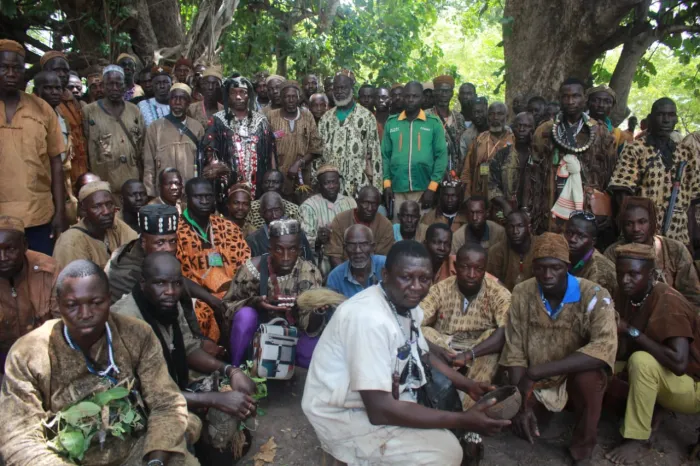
(275, 350)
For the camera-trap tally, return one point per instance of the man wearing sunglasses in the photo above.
(581, 232)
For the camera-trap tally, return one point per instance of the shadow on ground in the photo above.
(297, 444)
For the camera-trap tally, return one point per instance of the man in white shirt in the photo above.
(361, 389)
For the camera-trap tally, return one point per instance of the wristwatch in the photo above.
(633, 332)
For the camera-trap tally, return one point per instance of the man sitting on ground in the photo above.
(68, 360)
(155, 299)
(447, 211)
(26, 284)
(318, 211)
(98, 233)
(211, 250)
(638, 223)
(438, 241)
(366, 214)
(478, 229)
(510, 260)
(170, 189)
(362, 269)
(409, 216)
(659, 338)
(360, 411)
(586, 262)
(271, 209)
(273, 180)
(133, 197)
(561, 340)
(262, 282)
(467, 314)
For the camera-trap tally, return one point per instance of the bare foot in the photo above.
(630, 451)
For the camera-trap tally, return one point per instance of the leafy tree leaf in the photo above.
(83, 409)
(115, 393)
(73, 442)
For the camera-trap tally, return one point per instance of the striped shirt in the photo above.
(318, 212)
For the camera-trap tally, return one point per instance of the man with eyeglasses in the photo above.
(31, 168)
(362, 269)
(272, 182)
(581, 232)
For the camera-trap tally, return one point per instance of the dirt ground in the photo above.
(297, 444)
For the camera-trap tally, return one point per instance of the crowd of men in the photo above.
(149, 225)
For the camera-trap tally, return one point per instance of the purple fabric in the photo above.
(305, 349)
(243, 327)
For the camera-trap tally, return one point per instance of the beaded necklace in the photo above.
(560, 129)
(90, 366)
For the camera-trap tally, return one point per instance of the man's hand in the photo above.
(476, 420)
(388, 196)
(213, 349)
(217, 306)
(294, 169)
(622, 326)
(262, 304)
(446, 355)
(323, 235)
(237, 404)
(476, 390)
(58, 225)
(525, 424)
(427, 199)
(462, 359)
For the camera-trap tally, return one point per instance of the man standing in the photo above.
(659, 338)
(146, 82)
(98, 233)
(210, 248)
(414, 155)
(438, 242)
(478, 229)
(272, 209)
(409, 216)
(71, 111)
(365, 214)
(561, 340)
(263, 284)
(537, 106)
(631, 126)
(296, 137)
(328, 90)
(601, 101)
(159, 105)
(585, 261)
(133, 197)
(128, 65)
(274, 87)
(381, 112)
(183, 70)
(578, 158)
(475, 174)
(310, 86)
(69, 360)
(170, 189)
(156, 300)
(649, 167)
(210, 87)
(362, 269)
(467, 315)
(75, 85)
(638, 223)
(365, 96)
(350, 138)
(115, 132)
(31, 175)
(318, 106)
(318, 211)
(260, 88)
(172, 141)
(481, 109)
(354, 367)
(467, 97)
(26, 286)
(448, 209)
(428, 100)
(452, 121)
(272, 182)
(96, 88)
(510, 260)
(396, 105)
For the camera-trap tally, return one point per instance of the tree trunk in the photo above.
(621, 81)
(551, 41)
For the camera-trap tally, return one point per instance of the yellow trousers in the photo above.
(652, 383)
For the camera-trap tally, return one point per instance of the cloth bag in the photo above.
(275, 349)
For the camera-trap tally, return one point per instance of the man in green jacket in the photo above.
(414, 153)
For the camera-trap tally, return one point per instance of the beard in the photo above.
(344, 102)
(359, 264)
(496, 128)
